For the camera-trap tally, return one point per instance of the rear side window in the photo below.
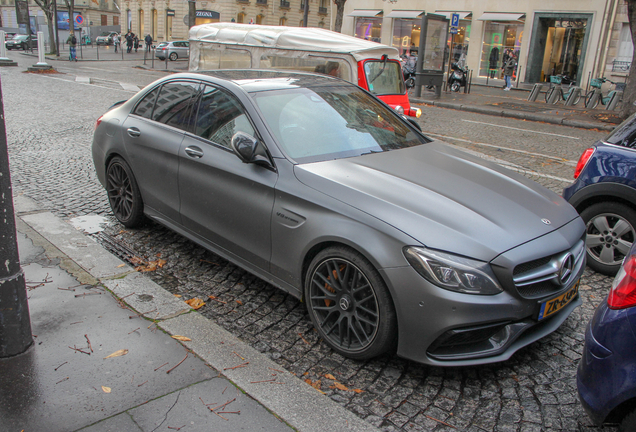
(220, 117)
(625, 134)
(174, 104)
(145, 106)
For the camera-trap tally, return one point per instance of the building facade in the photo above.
(580, 38)
(168, 19)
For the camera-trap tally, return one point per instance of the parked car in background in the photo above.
(173, 50)
(21, 41)
(604, 193)
(606, 377)
(106, 38)
(394, 240)
(8, 36)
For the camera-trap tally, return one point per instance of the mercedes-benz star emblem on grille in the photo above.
(546, 221)
(567, 266)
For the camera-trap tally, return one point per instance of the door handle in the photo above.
(133, 132)
(194, 152)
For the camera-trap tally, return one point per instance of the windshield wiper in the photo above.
(384, 57)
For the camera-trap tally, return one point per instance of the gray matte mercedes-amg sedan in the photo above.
(393, 240)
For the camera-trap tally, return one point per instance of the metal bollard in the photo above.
(594, 99)
(555, 96)
(574, 95)
(532, 97)
(616, 97)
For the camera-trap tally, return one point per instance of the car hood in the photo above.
(443, 198)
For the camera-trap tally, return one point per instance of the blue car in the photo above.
(606, 377)
(604, 194)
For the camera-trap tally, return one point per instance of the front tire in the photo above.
(349, 304)
(123, 193)
(173, 56)
(455, 86)
(610, 234)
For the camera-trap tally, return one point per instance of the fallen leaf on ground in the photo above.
(181, 338)
(315, 385)
(106, 389)
(195, 303)
(341, 386)
(239, 302)
(177, 295)
(118, 353)
(121, 265)
(331, 377)
(358, 391)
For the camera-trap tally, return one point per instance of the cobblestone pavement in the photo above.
(49, 128)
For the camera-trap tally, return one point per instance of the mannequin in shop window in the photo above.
(494, 59)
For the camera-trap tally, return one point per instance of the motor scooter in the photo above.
(457, 77)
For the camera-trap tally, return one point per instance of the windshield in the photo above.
(105, 34)
(625, 134)
(19, 37)
(323, 123)
(384, 78)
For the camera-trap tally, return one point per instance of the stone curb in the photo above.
(480, 109)
(300, 405)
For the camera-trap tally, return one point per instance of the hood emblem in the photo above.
(567, 267)
(546, 221)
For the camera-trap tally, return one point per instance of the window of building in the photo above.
(259, 19)
(141, 22)
(282, 21)
(104, 20)
(153, 24)
(240, 17)
(625, 45)
(321, 24)
(128, 20)
(368, 28)
(116, 20)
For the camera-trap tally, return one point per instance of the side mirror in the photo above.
(249, 150)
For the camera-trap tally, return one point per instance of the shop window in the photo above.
(459, 48)
(406, 35)
(499, 38)
(369, 29)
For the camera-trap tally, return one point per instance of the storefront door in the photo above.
(558, 46)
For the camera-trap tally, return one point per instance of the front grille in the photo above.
(546, 275)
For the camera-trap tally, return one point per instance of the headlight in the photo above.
(453, 272)
(399, 109)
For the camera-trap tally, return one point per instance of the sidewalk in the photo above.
(86, 305)
(493, 100)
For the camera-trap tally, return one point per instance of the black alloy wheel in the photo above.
(349, 304)
(123, 193)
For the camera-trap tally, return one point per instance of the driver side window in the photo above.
(220, 117)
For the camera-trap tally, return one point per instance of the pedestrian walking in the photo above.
(129, 42)
(509, 68)
(136, 43)
(116, 41)
(72, 43)
(148, 42)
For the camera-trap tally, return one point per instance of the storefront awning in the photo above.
(447, 14)
(501, 16)
(366, 13)
(405, 14)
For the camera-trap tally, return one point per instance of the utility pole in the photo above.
(305, 13)
(192, 13)
(15, 323)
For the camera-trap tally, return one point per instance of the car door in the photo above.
(153, 133)
(225, 201)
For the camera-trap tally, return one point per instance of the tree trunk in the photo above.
(47, 8)
(340, 12)
(629, 96)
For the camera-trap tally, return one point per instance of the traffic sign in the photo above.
(455, 20)
(453, 30)
(79, 20)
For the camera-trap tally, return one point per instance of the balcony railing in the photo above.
(284, 4)
(261, 2)
(322, 10)
(621, 66)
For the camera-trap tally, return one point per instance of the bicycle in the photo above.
(594, 96)
(559, 79)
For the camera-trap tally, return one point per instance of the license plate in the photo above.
(552, 306)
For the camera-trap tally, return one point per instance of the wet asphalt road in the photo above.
(50, 119)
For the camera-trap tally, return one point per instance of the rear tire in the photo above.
(123, 193)
(455, 86)
(410, 83)
(173, 56)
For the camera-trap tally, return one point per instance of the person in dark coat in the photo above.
(148, 42)
(136, 43)
(509, 68)
(493, 60)
(129, 42)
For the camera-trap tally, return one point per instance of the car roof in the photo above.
(252, 80)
